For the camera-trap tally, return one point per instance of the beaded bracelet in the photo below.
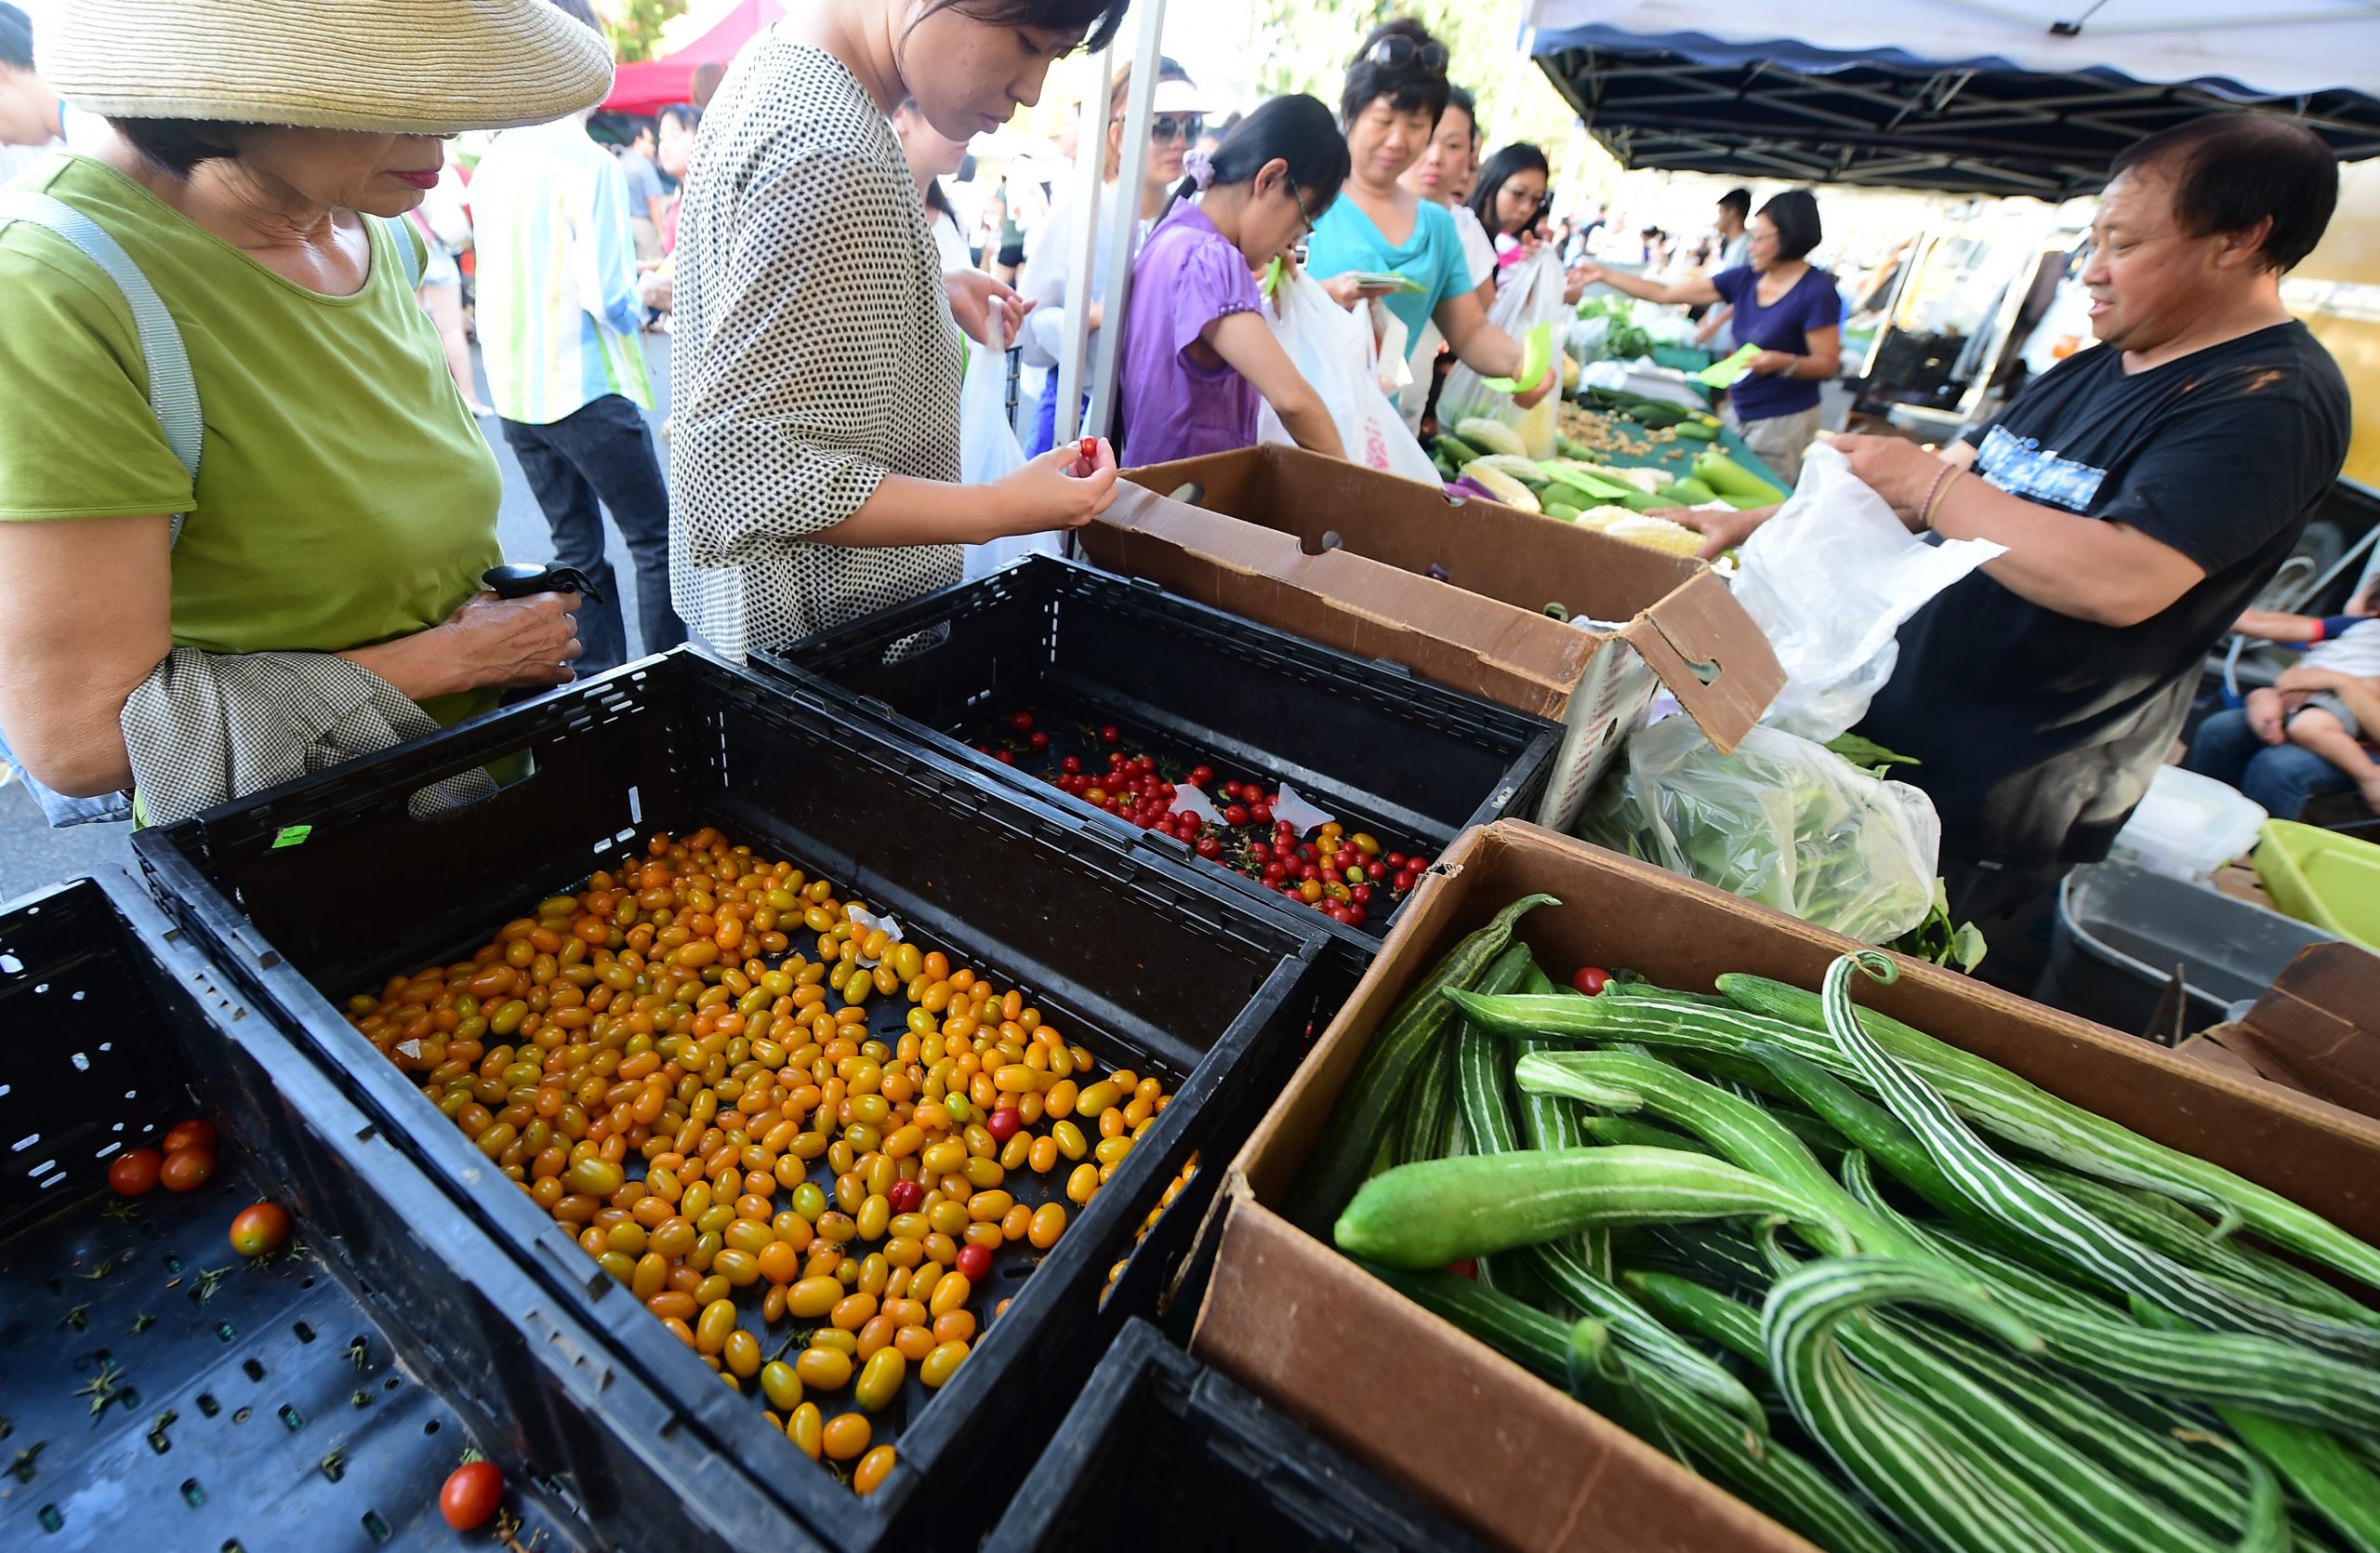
(1926, 504)
(1934, 497)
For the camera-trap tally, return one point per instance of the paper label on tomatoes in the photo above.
(1188, 800)
(1302, 816)
(865, 922)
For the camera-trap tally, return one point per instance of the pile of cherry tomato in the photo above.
(653, 1063)
(184, 1161)
(1347, 877)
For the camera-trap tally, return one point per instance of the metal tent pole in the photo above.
(1124, 220)
(1090, 162)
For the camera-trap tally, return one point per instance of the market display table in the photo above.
(1635, 446)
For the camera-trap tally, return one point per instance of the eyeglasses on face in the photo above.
(1166, 128)
(1397, 52)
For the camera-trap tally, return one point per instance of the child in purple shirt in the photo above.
(1197, 355)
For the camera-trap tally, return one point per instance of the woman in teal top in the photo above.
(1396, 90)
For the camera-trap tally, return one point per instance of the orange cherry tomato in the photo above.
(134, 1174)
(187, 1169)
(260, 1227)
(193, 1133)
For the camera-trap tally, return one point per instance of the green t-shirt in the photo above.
(344, 495)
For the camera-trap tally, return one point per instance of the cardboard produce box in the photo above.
(1341, 554)
(1491, 1444)
(2316, 1031)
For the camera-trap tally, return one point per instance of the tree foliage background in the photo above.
(635, 26)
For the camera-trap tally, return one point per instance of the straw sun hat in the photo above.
(418, 67)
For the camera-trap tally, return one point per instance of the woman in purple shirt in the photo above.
(1784, 305)
(1197, 354)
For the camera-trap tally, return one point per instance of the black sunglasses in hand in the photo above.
(1395, 52)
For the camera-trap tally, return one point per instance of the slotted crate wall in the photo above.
(160, 1390)
(323, 889)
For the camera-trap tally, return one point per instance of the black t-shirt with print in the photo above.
(2038, 732)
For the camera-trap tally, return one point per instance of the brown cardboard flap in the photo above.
(1695, 629)
(1340, 596)
(2318, 1027)
(1346, 1355)
(1364, 543)
(1306, 1328)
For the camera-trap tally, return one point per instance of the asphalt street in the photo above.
(32, 854)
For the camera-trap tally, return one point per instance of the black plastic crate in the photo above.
(160, 1392)
(1413, 764)
(1164, 1455)
(325, 888)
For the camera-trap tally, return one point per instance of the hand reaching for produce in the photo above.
(1774, 364)
(1345, 291)
(1721, 531)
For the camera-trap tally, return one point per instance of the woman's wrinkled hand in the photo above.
(511, 644)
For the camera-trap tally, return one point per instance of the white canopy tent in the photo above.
(2005, 97)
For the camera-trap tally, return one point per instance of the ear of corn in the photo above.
(1491, 436)
(1669, 538)
(1503, 486)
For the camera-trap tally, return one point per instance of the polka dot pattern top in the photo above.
(814, 354)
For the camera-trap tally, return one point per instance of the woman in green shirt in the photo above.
(344, 503)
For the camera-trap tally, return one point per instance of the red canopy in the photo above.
(648, 87)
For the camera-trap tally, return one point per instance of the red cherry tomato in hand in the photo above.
(187, 1169)
(1591, 979)
(134, 1174)
(472, 1493)
(260, 1227)
(189, 1134)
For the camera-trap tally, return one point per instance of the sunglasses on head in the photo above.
(1397, 52)
(1165, 128)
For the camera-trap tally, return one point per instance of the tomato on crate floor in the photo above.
(1339, 870)
(781, 1127)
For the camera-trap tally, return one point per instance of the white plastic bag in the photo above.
(1829, 579)
(987, 451)
(1782, 822)
(1334, 351)
(1529, 294)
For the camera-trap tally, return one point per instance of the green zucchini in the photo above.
(1693, 431)
(1442, 1211)
(1527, 1336)
(1454, 450)
(1376, 1090)
(2323, 1471)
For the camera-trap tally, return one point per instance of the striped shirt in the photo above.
(558, 309)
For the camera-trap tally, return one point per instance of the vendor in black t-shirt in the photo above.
(2146, 489)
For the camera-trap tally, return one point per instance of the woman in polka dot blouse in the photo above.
(814, 443)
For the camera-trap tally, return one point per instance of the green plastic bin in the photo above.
(2321, 877)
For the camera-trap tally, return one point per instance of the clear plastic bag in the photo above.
(1530, 295)
(1829, 580)
(988, 451)
(1333, 350)
(1782, 822)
